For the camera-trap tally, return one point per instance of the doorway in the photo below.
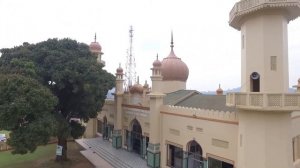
(136, 137)
(105, 129)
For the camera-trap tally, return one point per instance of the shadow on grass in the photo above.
(44, 157)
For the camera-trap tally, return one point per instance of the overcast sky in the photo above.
(202, 37)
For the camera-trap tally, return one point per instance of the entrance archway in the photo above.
(136, 137)
(105, 128)
(194, 155)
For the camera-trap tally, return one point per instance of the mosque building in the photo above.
(170, 126)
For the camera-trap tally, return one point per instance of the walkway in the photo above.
(103, 155)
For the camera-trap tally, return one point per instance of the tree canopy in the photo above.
(70, 72)
(25, 109)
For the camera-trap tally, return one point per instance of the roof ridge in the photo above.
(185, 97)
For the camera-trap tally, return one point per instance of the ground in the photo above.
(44, 157)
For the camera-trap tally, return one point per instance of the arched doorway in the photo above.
(194, 155)
(105, 128)
(136, 137)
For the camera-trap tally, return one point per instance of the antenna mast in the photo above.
(130, 73)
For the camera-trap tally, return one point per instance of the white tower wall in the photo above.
(265, 35)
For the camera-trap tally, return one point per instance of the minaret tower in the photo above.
(264, 116)
(130, 73)
(117, 132)
(156, 101)
(96, 50)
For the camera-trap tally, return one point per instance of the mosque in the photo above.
(170, 126)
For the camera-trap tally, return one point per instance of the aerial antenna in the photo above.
(130, 73)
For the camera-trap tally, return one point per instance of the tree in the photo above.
(72, 74)
(25, 110)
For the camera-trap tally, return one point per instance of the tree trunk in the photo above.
(62, 142)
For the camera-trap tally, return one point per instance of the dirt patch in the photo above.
(76, 160)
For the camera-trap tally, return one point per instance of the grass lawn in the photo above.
(44, 157)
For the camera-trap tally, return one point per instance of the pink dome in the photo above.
(119, 70)
(156, 63)
(95, 47)
(174, 69)
(219, 91)
(136, 88)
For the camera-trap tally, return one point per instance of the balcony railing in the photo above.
(264, 101)
(245, 5)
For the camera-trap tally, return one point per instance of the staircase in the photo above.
(118, 158)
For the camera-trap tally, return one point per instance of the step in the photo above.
(112, 159)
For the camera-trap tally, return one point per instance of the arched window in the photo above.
(194, 155)
(255, 82)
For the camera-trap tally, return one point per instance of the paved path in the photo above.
(103, 155)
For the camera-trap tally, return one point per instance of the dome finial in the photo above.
(172, 42)
(95, 37)
(219, 91)
(157, 56)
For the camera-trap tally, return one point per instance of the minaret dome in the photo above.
(95, 47)
(173, 68)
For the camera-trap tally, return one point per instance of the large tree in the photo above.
(25, 110)
(72, 74)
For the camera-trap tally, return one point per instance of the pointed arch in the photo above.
(105, 131)
(194, 155)
(194, 147)
(136, 126)
(105, 120)
(136, 136)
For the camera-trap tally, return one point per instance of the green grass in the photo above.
(9, 160)
(44, 157)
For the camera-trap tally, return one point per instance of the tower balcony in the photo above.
(245, 7)
(264, 101)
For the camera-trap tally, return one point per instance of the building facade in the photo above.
(170, 126)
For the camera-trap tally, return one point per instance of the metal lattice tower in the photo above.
(130, 73)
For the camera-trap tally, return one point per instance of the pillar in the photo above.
(117, 132)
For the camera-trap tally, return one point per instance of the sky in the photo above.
(202, 37)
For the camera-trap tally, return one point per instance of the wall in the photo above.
(215, 131)
(296, 137)
(265, 35)
(172, 86)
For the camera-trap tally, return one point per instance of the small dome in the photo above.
(156, 63)
(119, 70)
(136, 88)
(299, 81)
(219, 91)
(95, 47)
